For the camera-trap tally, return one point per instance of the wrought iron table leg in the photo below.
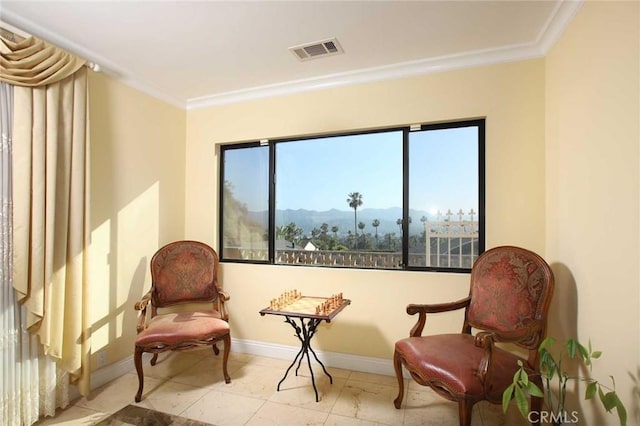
(305, 333)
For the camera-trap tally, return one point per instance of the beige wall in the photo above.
(511, 96)
(137, 203)
(593, 185)
(563, 178)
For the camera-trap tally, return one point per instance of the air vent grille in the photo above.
(317, 49)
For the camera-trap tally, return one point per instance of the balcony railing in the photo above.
(452, 243)
(358, 259)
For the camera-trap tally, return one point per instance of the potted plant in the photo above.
(551, 371)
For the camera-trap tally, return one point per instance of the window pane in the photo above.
(443, 197)
(338, 200)
(245, 201)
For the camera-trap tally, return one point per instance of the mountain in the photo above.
(344, 219)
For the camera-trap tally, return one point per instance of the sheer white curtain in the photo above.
(31, 384)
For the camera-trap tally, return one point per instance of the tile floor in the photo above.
(190, 384)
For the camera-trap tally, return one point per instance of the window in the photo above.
(399, 198)
(244, 202)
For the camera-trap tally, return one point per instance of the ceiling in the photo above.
(199, 53)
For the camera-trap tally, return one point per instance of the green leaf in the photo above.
(522, 402)
(534, 390)
(584, 354)
(596, 354)
(516, 375)
(548, 365)
(547, 343)
(524, 377)
(622, 412)
(506, 397)
(592, 388)
(601, 394)
(571, 345)
(609, 400)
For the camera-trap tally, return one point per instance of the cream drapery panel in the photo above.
(50, 191)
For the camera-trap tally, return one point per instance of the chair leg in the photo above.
(464, 412)
(154, 359)
(397, 365)
(137, 360)
(536, 407)
(225, 357)
(215, 349)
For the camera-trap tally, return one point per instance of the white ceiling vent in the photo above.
(317, 49)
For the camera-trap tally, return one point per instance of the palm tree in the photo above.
(290, 233)
(355, 201)
(334, 229)
(361, 226)
(315, 232)
(375, 224)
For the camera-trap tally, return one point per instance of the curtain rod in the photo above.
(15, 31)
(23, 34)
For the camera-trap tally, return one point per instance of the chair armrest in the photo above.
(223, 297)
(487, 340)
(141, 305)
(423, 310)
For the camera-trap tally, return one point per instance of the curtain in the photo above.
(46, 242)
(33, 62)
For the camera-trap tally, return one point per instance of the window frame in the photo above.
(480, 123)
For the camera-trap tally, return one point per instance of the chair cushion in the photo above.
(453, 360)
(175, 329)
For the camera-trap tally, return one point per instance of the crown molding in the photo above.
(368, 75)
(549, 35)
(107, 67)
(562, 15)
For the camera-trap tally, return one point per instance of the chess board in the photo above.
(306, 307)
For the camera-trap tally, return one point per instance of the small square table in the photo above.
(313, 310)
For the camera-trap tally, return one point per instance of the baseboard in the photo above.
(330, 359)
(104, 375)
(111, 372)
(363, 364)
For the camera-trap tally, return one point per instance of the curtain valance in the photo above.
(33, 62)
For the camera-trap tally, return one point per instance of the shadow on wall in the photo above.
(122, 315)
(634, 410)
(563, 325)
(351, 338)
(563, 313)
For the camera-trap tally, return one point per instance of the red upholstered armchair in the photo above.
(508, 301)
(182, 272)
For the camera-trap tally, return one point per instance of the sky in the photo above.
(320, 173)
